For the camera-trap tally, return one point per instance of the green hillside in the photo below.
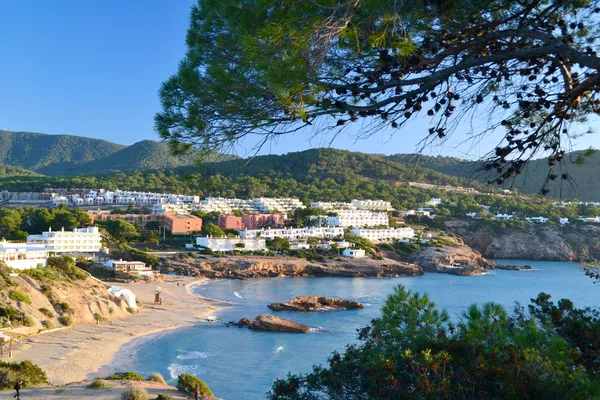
(63, 155)
(312, 175)
(35, 151)
(10, 171)
(583, 185)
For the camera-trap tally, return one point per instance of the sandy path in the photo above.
(80, 353)
(79, 391)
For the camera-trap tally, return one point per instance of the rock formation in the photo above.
(271, 323)
(243, 267)
(573, 242)
(513, 267)
(457, 259)
(316, 303)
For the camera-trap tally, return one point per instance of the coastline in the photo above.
(86, 351)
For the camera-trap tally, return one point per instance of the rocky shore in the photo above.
(572, 242)
(244, 267)
(456, 259)
(316, 303)
(270, 323)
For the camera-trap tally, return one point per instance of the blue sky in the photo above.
(93, 68)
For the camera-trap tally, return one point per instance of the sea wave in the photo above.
(193, 355)
(237, 295)
(177, 369)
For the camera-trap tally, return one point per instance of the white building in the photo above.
(299, 245)
(84, 240)
(419, 213)
(383, 235)
(264, 205)
(332, 205)
(593, 220)
(541, 220)
(230, 244)
(380, 205)
(294, 233)
(354, 253)
(505, 217)
(563, 221)
(161, 209)
(434, 202)
(130, 267)
(23, 256)
(354, 218)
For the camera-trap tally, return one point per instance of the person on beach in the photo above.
(18, 385)
(197, 392)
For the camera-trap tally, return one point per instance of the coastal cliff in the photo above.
(29, 305)
(243, 267)
(576, 242)
(454, 258)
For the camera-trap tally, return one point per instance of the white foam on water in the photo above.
(177, 369)
(280, 348)
(193, 355)
(237, 295)
(318, 329)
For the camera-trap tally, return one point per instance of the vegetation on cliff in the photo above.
(413, 351)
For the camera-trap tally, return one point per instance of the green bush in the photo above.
(99, 317)
(415, 351)
(187, 383)
(48, 324)
(125, 376)
(163, 397)
(134, 393)
(29, 321)
(99, 384)
(29, 373)
(46, 312)
(17, 295)
(156, 377)
(63, 308)
(66, 320)
(46, 290)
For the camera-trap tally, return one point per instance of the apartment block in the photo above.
(179, 224)
(84, 240)
(23, 256)
(294, 233)
(382, 235)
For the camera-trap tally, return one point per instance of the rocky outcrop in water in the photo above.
(513, 267)
(271, 323)
(456, 259)
(316, 303)
(572, 242)
(244, 267)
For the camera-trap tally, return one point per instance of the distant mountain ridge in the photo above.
(584, 183)
(66, 155)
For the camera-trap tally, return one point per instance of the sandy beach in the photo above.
(85, 351)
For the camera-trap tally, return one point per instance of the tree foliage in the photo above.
(414, 352)
(271, 68)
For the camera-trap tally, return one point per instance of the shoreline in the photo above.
(87, 351)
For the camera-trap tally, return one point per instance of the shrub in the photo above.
(156, 377)
(99, 317)
(48, 324)
(66, 320)
(163, 397)
(136, 393)
(130, 310)
(29, 373)
(29, 321)
(414, 351)
(46, 312)
(63, 308)
(46, 290)
(187, 383)
(17, 295)
(125, 376)
(99, 384)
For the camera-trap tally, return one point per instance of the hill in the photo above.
(312, 175)
(8, 171)
(35, 151)
(64, 155)
(583, 185)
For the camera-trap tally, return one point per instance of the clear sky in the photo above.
(93, 68)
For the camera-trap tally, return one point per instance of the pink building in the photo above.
(230, 222)
(258, 221)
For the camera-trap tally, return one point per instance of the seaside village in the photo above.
(250, 223)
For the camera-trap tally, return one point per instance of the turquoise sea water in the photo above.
(241, 364)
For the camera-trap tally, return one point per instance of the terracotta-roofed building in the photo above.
(180, 224)
(258, 221)
(230, 222)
